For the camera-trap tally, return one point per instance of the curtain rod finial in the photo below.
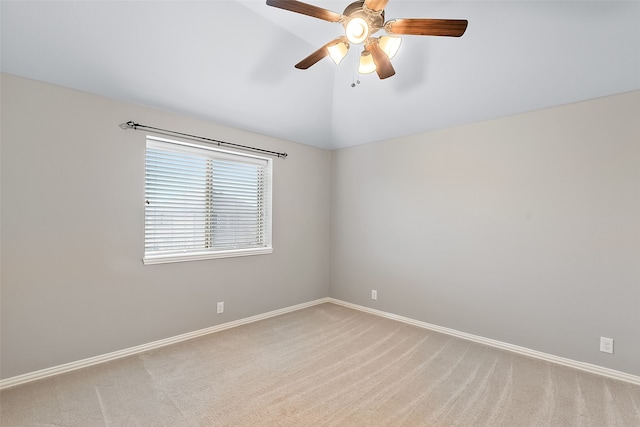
(128, 125)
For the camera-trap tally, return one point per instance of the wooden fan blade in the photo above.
(382, 61)
(312, 59)
(428, 27)
(376, 5)
(305, 9)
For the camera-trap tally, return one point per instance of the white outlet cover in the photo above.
(606, 345)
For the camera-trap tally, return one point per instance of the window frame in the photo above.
(205, 150)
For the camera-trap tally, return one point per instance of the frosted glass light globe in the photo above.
(357, 30)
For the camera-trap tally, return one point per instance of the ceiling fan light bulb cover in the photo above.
(367, 66)
(357, 30)
(390, 45)
(338, 51)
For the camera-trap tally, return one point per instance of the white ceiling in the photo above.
(232, 62)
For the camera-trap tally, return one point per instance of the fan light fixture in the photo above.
(367, 66)
(390, 45)
(357, 30)
(338, 51)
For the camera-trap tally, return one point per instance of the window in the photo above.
(202, 202)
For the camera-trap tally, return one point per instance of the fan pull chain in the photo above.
(354, 80)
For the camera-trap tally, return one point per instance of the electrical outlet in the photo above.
(606, 345)
(374, 294)
(220, 307)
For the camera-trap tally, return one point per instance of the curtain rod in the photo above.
(135, 126)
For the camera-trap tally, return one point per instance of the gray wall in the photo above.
(73, 283)
(524, 229)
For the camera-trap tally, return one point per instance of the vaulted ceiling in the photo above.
(232, 62)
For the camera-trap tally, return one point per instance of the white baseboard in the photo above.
(72, 366)
(68, 367)
(594, 369)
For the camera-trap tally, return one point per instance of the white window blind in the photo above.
(202, 202)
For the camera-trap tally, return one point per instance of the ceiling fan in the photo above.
(362, 19)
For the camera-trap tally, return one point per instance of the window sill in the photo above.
(165, 259)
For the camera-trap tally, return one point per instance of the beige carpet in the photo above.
(324, 366)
